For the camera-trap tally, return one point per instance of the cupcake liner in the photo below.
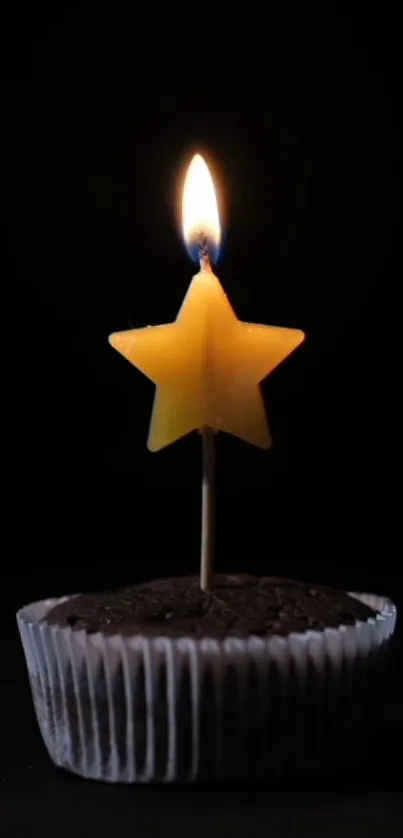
(138, 709)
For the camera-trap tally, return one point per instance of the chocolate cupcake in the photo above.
(162, 682)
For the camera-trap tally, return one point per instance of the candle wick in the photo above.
(204, 256)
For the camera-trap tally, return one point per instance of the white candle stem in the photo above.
(207, 532)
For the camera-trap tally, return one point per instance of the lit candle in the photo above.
(207, 366)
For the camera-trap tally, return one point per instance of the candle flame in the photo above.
(200, 217)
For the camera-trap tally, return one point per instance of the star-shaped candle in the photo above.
(207, 366)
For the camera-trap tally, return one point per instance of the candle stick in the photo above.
(208, 510)
(207, 365)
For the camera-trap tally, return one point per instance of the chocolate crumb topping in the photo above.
(238, 606)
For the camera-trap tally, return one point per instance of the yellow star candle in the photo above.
(207, 366)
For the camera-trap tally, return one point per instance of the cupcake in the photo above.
(260, 678)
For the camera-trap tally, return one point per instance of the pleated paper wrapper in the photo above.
(141, 710)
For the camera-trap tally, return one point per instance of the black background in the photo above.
(297, 116)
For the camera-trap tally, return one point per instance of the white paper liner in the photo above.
(138, 709)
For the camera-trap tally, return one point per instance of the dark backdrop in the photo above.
(297, 116)
(299, 123)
